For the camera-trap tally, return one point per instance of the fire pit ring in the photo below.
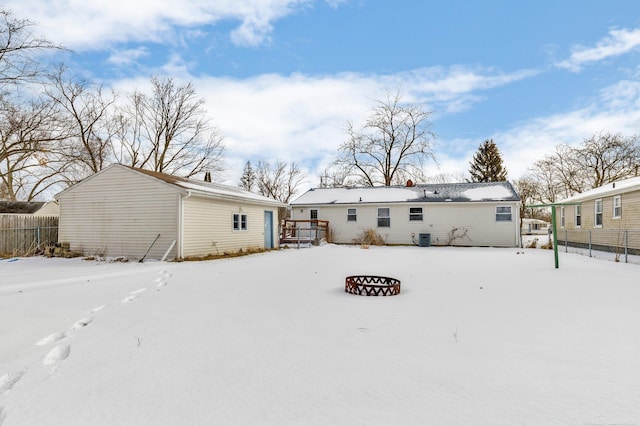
(372, 285)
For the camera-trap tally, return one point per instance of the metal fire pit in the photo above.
(372, 285)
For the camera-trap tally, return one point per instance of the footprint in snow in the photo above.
(8, 380)
(53, 337)
(97, 309)
(82, 323)
(133, 295)
(57, 354)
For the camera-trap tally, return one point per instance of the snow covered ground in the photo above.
(478, 336)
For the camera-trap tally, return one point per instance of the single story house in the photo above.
(601, 216)
(35, 208)
(532, 226)
(125, 211)
(464, 214)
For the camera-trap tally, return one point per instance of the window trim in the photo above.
(504, 214)
(619, 206)
(562, 217)
(240, 222)
(577, 215)
(352, 217)
(596, 213)
(388, 217)
(415, 216)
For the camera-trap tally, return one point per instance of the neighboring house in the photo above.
(120, 211)
(601, 216)
(534, 226)
(465, 214)
(36, 208)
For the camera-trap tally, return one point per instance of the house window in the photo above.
(351, 215)
(384, 217)
(617, 207)
(313, 215)
(239, 222)
(578, 216)
(598, 213)
(503, 213)
(415, 214)
(562, 217)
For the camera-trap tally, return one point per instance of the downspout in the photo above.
(180, 249)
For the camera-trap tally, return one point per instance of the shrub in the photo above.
(370, 237)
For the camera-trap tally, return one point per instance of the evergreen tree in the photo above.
(487, 164)
(248, 178)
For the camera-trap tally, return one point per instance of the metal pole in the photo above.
(566, 243)
(590, 244)
(626, 246)
(555, 234)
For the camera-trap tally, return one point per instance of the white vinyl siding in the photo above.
(207, 229)
(119, 212)
(439, 219)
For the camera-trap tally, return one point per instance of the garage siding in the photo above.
(119, 212)
(209, 229)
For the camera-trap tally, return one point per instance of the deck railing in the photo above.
(310, 231)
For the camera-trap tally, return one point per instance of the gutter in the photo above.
(180, 249)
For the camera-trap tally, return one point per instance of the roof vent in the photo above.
(614, 185)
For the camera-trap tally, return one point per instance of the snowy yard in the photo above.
(477, 336)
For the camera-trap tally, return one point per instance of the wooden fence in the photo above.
(24, 235)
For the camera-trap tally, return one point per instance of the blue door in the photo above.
(268, 230)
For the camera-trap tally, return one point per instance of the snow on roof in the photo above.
(626, 185)
(453, 192)
(210, 187)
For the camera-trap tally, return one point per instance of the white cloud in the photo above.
(617, 43)
(127, 56)
(616, 110)
(96, 24)
(303, 118)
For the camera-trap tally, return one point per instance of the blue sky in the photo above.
(282, 77)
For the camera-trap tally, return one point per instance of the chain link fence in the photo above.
(618, 243)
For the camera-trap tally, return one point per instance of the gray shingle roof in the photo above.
(20, 207)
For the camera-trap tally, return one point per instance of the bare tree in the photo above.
(334, 177)
(391, 147)
(29, 133)
(88, 118)
(168, 131)
(608, 157)
(279, 181)
(19, 48)
(600, 159)
(447, 178)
